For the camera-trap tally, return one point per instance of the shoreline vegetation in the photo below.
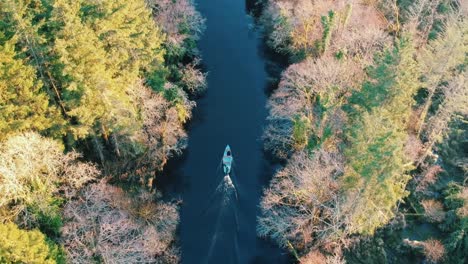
(369, 120)
(94, 98)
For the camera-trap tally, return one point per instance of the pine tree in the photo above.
(128, 33)
(24, 105)
(440, 60)
(21, 246)
(90, 56)
(375, 176)
(96, 101)
(25, 20)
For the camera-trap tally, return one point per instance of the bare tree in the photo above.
(427, 178)
(357, 28)
(179, 19)
(162, 134)
(300, 205)
(434, 250)
(434, 210)
(163, 131)
(33, 170)
(103, 225)
(303, 85)
(193, 79)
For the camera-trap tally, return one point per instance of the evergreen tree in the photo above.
(21, 246)
(442, 59)
(456, 224)
(128, 34)
(375, 176)
(25, 20)
(24, 106)
(95, 100)
(90, 56)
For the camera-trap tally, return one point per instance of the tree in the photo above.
(456, 242)
(89, 83)
(24, 105)
(434, 250)
(375, 177)
(182, 23)
(309, 96)
(33, 170)
(454, 103)
(107, 224)
(161, 136)
(129, 36)
(444, 62)
(314, 28)
(89, 56)
(376, 171)
(24, 22)
(439, 61)
(22, 246)
(193, 79)
(301, 205)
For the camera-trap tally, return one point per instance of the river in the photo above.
(233, 112)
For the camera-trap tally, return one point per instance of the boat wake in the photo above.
(224, 203)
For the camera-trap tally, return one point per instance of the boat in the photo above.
(227, 160)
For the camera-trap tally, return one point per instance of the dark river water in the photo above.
(219, 226)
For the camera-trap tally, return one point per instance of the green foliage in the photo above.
(325, 105)
(156, 79)
(129, 36)
(452, 200)
(328, 23)
(340, 55)
(376, 169)
(392, 85)
(99, 67)
(375, 177)
(456, 223)
(301, 131)
(49, 221)
(56, 252)
(24, 105)
(21, 246)
(89, 56)
(430, 17)
(375, 91)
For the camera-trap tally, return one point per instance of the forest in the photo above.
(367, 125)
(370, 120)
(94, 97)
